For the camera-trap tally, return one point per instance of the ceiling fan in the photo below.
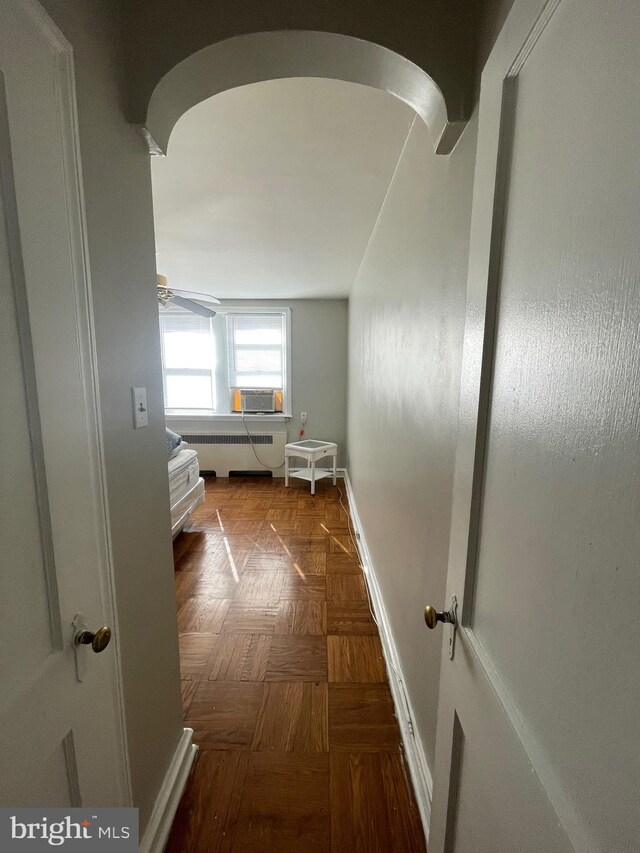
(184, 298)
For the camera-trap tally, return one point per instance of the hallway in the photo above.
(284, 682)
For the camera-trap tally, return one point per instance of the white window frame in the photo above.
(186, 371)
(287, 406)
(222, 366)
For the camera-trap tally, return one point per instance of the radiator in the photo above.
(224, 452)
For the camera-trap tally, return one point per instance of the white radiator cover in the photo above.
(224, 452)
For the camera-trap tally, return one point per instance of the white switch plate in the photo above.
(140, 414)
(303, 417)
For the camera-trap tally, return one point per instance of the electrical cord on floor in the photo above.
(253, 447)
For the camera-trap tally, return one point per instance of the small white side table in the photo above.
(310, 450)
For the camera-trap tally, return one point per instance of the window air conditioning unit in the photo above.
(257, 400)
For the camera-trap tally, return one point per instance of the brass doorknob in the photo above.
(433, 616)
(98, 641)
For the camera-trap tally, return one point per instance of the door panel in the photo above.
(545, 535)
(25, 596)
(61, 741)
(53, 780)
(496, 802)
(488, 771)
(559, 537)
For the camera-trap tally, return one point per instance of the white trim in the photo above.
(413, 749)
(166, 804)
(87, 346)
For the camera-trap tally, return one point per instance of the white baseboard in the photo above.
(414, 751)
(164, 810)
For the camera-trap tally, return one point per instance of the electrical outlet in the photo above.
(303, 417)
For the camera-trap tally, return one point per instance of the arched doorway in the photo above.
(272, 55)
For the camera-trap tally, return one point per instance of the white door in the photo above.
(538, 742)
(61, 739)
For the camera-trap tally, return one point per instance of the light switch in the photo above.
(140, 415)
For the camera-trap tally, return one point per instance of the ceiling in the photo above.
(272, 190)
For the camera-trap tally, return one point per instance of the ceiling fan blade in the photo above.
(190, 305)
(190, 294)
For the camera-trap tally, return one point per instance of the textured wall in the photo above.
(120, 234)
(405, 338)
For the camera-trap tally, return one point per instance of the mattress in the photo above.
(184, 471)
(182, 509)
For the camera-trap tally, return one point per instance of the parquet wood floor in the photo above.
(284, 682)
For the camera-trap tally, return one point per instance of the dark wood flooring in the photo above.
(284, 682)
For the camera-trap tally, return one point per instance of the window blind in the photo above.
(188, 361)
(187, 322)
(256, 350)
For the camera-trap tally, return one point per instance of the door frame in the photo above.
(524, 25)
(85, 342)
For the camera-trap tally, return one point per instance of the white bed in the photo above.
(186, 488)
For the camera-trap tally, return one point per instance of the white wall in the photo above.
(319, 329)
(122, 265)
(271, 189)
(405, 339)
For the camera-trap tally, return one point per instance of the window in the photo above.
(256, 350)
(188, 361)
(206, 362)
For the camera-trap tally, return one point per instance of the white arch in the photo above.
(255, 57)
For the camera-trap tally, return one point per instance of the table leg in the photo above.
(334, 469)
(313, 477)
(286, 471)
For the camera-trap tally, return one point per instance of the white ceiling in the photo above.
(272, 190)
